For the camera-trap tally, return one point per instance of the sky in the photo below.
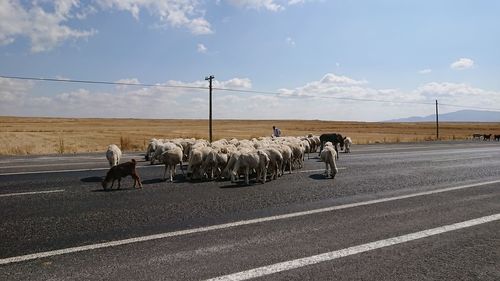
(348, 60)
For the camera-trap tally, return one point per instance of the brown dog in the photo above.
(120, 171)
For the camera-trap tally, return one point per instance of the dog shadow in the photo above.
(112, 190)
(92, 179)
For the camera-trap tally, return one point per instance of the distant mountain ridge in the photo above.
(457, 116)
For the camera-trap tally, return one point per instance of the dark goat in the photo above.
(476, 136)
(497, 137)
(335, 139)
(487, 137)
(120, 171)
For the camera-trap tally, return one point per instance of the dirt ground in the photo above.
(32, 135)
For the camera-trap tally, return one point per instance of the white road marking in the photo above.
(52, 164)
(31, 193)
(391, 148)
(463, 159)
(102, 169)
(227, 225)
(59, 158)
(298, 263)
(65, 171)
(317, 170)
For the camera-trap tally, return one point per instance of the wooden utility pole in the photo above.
(210, 78)
(437, 121)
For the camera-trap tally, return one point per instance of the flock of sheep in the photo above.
(267, 158)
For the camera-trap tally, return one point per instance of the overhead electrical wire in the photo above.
(102, 82)
(278, 94)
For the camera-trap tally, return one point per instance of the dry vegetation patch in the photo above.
(31, 135)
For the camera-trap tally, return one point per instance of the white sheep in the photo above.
(213, 163)
(151, 148)
(197, 155)
(171, 158)
(251, 160)
(297, 154)
(286, 153)
(328, 156)
(231, 162)
(347, 144)
(113, 154)
(160, 148)
(275, 162)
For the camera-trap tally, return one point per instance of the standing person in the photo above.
(276, 132)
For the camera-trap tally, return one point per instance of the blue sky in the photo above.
(310, 52)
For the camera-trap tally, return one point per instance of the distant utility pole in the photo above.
(437, 121)
(210, 78)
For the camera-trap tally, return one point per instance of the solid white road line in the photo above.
(65, 171)
(228, 225)
(31, 193)
(302, 262)
(50, 164)
(464, 159)
(102, 169)
(317, 170)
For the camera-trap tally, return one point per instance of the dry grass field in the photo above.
(30, 135)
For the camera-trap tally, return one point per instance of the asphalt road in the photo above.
(424, 211)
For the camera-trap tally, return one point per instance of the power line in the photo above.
(324, 97)
(101, 82)
(279, 94)
(282, 95)
(470, 107)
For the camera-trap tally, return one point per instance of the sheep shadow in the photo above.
(92, 179)
(319, 177)
(177, 178)
(112, 190)
(152, 181)
(239, 184)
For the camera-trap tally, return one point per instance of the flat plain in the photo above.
(40, 135)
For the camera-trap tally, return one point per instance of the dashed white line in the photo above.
(302, 262)
(227, 225)
(31, 193)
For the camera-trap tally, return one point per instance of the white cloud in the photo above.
(425, 71)
(46, 28)
(257, 4)
(202, 49)
(290, 41)
(457, 93)
(333, 97)
(127, 81)
(461, 64)
(187, 13)
(294, 2)
(13, 91)
(47, 24)
(271, 5)
(235, 83)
